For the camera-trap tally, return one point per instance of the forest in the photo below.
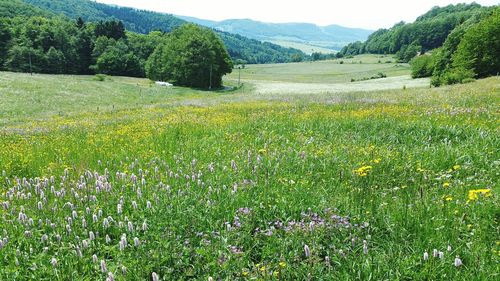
(144, 22)
(451, 44)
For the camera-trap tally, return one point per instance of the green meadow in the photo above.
(387, 180)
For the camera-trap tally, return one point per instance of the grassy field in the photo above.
(121, 178)
(306, 48)
(330, 71)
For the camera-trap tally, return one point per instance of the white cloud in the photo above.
(352, 13)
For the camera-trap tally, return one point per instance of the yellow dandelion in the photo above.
(282, 264)
(475, 193)
(448, 198)
(446, 184)
(363, 171)
(456, 167)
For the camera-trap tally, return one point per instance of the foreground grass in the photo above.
(337, 186)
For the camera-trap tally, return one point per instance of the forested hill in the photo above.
(239, 47)
(428, 32)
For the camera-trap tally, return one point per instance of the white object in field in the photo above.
(163, 84)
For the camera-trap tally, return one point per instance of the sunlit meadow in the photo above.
(396, 184)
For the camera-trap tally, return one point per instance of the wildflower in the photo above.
(94, 258)
(441, 255)
(426, 256)
(363, 171)
(108, 239)
(111, 277)
(40, 206)
(122, 243)
(124, 270)
(119, 208)
(134, 205)
(282, 264)
(85, 244)
(474, 194)
(44, 238)
(130, 226)
(448, 198)
(448, 248)
(458, 262)
(365, 247)
(307, 252)
(456, 167)
(148, 204)
(103, 266)
(53, 261)
(446, 184)
(136, 242)
(105, 223)
(94, 218)
(144, 226)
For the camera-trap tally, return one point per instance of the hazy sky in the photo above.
(370, 14)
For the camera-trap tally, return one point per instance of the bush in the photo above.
(468, 80)
(422, 66)
(100, 77)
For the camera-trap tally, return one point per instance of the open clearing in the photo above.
(288, 178)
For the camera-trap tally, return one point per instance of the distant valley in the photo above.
(303, 36)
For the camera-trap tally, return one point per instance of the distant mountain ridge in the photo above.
(332, 36)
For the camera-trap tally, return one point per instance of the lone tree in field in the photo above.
(191, 56)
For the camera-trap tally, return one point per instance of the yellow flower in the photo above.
(446, 184)
(376, 161)
(475, 193)
(244, 273)
(363, 171)
(456, 167)
(282, 264)
(448, 198)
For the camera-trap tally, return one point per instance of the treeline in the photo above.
(56, 45)
(470, 51)
(452, 44)
(144, 22)
(428, 32)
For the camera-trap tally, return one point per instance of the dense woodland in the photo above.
(144, 22)
(440, 32)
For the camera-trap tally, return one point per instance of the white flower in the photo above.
(103, 266)
(307, 252)
(435, 253)
(441, 255)
(136, 242)
(426, 256)
(155, 276)
(53, 261)
(458, 262)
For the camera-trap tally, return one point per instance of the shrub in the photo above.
(100, 77)
(468, 80)
(422, 66)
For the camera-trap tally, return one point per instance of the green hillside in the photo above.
(428, 32)
(141, 21)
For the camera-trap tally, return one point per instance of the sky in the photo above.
(369, 14)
